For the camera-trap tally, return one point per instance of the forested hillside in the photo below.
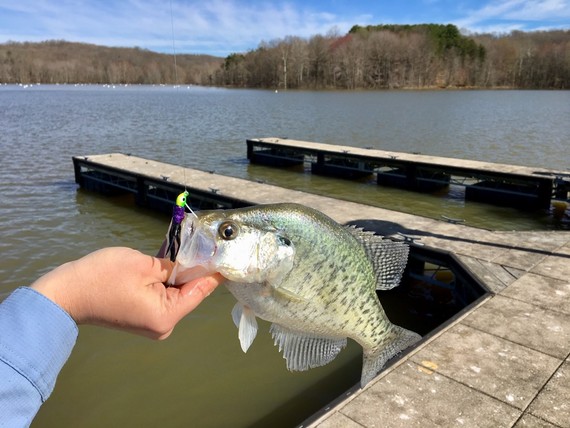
(66, 62)
(372, 57)
(405, 56)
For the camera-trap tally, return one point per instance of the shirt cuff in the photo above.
(37, 337)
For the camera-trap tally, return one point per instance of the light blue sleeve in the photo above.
(36, 339)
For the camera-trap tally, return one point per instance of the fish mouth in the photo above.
(197, 249)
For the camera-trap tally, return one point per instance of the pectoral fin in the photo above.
(286, 294)
(245, 321)
(305, 351)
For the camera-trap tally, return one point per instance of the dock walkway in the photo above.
(506, 363)
(483, 181)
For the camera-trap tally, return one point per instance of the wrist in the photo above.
(56, 285)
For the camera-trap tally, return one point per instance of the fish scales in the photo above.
(312, 278)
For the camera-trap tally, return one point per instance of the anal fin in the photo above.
(304, 351)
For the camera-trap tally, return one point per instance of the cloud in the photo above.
(541, 10)
(501, 16)
(220, 27)
(241, 23)
(214, 26)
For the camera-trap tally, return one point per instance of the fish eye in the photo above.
(228, 230)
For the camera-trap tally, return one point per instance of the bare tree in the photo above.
(380, 56)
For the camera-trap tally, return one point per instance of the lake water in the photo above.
(200, 377)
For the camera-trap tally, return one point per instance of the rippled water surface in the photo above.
(200, 377)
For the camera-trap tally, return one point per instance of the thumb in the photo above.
(201, 288)
(194, 292)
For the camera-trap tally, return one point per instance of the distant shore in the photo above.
(380, 57)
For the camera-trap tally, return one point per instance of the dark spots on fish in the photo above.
(308, 277)
(317, 266)
(360, 321)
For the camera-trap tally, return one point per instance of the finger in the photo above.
(194, 292)
(185, 299)
(161, 269)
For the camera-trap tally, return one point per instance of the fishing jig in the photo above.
(173, 235)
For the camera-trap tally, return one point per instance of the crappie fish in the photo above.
(312, 278)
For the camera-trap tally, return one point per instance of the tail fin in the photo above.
(374, 360)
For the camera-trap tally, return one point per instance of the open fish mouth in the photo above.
(197, 249)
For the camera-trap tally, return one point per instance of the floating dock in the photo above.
(520, 186)
(503, 363)
(154, 184)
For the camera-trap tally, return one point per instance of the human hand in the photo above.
(122, 288)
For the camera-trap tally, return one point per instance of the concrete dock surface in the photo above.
(503, 364)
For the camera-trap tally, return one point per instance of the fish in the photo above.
(313, 279)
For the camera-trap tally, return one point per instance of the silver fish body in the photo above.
(312, 278)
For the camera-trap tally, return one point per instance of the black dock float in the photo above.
(493, 183)
(412, 178)
(341, 166)
(275, 157)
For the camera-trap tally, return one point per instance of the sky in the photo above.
(222, 27)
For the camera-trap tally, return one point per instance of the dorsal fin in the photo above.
(388, 258)
(303, 351)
